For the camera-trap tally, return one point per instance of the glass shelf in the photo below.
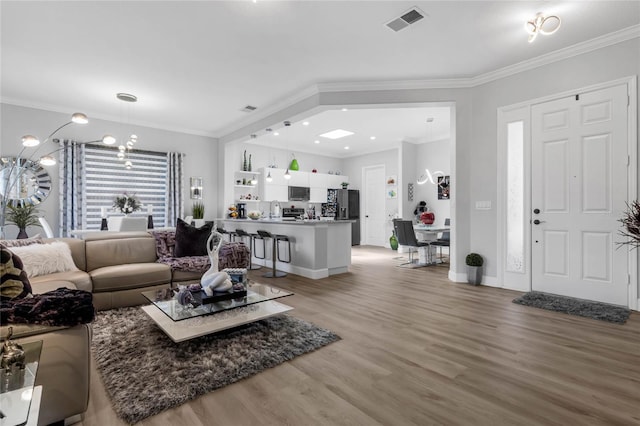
(247, 173)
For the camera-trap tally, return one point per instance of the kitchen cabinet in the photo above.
(318, 194)
(298, 178)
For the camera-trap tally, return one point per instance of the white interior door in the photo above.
(374, 208)
(579, 189)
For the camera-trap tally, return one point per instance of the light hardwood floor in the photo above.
(418, 349)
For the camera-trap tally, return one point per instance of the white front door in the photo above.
(374, 208)
(579, 190)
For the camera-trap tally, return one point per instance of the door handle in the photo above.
(538, 222)
(366, 215)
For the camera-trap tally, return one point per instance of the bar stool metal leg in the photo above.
(274, 273)
(242, 234)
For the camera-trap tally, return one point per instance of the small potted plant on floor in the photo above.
(23, 216)
(474, 268)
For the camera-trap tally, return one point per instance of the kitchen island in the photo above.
(318, 248)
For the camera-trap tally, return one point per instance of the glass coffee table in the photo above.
(182, 323)
(19, 397)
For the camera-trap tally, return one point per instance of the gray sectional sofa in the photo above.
(116, 269)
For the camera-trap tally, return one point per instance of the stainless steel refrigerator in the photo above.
(348, 208)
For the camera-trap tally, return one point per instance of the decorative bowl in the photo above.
(254, 214)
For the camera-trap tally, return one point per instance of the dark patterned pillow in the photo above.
(191, 241)
(165, 243)
(14, 283)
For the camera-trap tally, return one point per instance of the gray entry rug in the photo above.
(579, 307)
(145, 372)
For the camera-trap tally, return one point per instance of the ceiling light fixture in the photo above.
(316, 141)
(124, 149)
(269, 178)
(373, 138)
(276, 134)
(346, 147)
(542, 24)
(305, 123)
(345, 109)
(287, 175)
(336, 134)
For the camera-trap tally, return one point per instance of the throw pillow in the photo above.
(14, 283)
(43, 259)
(191, 241)
(36, 239)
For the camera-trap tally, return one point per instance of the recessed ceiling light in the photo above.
(305, 123)
(276, 134)
(346, 147)
(373, 138)
(336, 134)
(345, 109)
(316, 141)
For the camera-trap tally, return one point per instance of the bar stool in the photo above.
(275, 253)
(241, 234)
(231, 235)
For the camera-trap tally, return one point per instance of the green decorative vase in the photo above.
(294, 165)
(393, 241)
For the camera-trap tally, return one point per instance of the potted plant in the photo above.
(344, 185)
(197, 211)
(474, 268)
(23, 216)
(631, 223)
(127, 204)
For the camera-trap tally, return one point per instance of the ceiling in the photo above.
(373, 130)
(195, 65)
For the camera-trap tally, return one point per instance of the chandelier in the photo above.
(124, 148)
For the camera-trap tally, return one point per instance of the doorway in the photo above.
(569, 169)
(374, 205)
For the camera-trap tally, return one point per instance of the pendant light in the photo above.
(269, 178)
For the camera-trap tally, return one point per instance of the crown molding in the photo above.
(65, 110)
(261, 114)
(451, 83)
(558, 55)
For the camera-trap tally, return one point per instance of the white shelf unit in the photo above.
(243, 189)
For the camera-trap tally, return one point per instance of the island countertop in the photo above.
(319, 248)
(307, 222)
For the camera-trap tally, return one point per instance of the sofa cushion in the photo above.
(76, 279)
(127, 276)
(14, 283)
(119, 251)
(191, 241)
(165, 243)
(43, 259)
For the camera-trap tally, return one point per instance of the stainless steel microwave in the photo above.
(299, 193)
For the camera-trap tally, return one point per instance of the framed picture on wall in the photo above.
(392, 180)
(443, 187)
(392, 191)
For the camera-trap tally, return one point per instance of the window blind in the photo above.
(105, 177)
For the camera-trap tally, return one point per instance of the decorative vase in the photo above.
(393, 241)
(294, 165)
(249, 166)
(244, 161)
(427, 218)
(22, 234)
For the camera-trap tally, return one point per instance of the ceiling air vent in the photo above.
(249, 108)
(411, 16)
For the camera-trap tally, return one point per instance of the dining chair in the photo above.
(407, 237)
(444, 240)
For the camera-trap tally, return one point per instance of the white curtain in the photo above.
(71, 177)
(175, 196)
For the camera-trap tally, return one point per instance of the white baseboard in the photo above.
(462, 278)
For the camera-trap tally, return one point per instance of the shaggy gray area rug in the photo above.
(145, 372)
(579, 307)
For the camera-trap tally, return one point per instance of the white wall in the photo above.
(435, 156)
(17, 121)
(602, 65)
